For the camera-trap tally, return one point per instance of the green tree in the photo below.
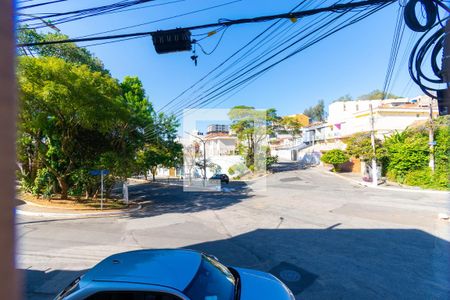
(344, 98)
(292, 125)
(66, 114)
(317, 112)
(250, 126)
(359, 145)
(335, 157)
(70, 52)
(378, 94)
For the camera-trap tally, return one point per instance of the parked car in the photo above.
(172, 275)
(221, 177)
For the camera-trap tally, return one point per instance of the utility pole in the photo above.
(101, 199)
(431, 137)
(372, 138)
(9, 279)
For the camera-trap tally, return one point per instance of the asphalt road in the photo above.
(324, 237)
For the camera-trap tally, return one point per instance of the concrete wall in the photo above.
(216, 147)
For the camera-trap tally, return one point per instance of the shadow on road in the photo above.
(172, 199)
(320, 263)
(344, 264)
(40, 285)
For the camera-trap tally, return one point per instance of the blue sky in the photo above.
(353, 61)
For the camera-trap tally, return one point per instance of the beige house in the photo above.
(220, 143)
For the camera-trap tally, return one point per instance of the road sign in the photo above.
(433, 143)
(98, 172)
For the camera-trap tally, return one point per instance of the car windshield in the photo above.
(213, 281)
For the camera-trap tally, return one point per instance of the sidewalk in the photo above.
(391, 186)
(30, 209)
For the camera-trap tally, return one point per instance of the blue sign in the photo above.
(98, 172)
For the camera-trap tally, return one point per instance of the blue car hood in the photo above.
(262, 286)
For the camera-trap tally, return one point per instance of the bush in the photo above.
(426, 179)
(43, 183)
(270, 160)
(409, 154)
(419, 178)
(237, 169)
(231, 170)
(335, 157)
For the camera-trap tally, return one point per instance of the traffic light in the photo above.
(166, 41)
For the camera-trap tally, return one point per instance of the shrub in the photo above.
(43, 183)
(426, 179)
(409, 154)
(231, 170)
(335, 157)
(237, 169)
(419, 178)
(270, 160)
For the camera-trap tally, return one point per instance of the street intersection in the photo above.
(325, 237)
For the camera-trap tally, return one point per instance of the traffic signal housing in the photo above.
(167, 41)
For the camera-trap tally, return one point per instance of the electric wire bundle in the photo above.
(430, 44)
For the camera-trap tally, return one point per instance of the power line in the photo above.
(242, 71)
(337, 28)
(39, 4)
(290, 15)
(162, 19)
(396, 42)
(269, 31)
(223, 89)
(89, 12)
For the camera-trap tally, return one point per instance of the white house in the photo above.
(348, 117)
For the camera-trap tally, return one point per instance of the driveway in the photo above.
(323, 236)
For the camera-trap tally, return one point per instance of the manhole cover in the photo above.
(290, 275)
(296, 278)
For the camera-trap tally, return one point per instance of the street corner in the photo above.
(33, 210)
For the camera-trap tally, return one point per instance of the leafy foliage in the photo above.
(409, 155)
(378, 94)
(359, 145)
(250, 126)
(292, 125)
(73, 119)
(317, 112)
(68, 51)
(344, 98)
(335, 157)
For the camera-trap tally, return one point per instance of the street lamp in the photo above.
(204, 153)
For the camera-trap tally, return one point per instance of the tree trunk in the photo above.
(64, 187)
(154, 173)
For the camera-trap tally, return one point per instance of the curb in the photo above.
(383, 187)
(96, 214)
(254, 179)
